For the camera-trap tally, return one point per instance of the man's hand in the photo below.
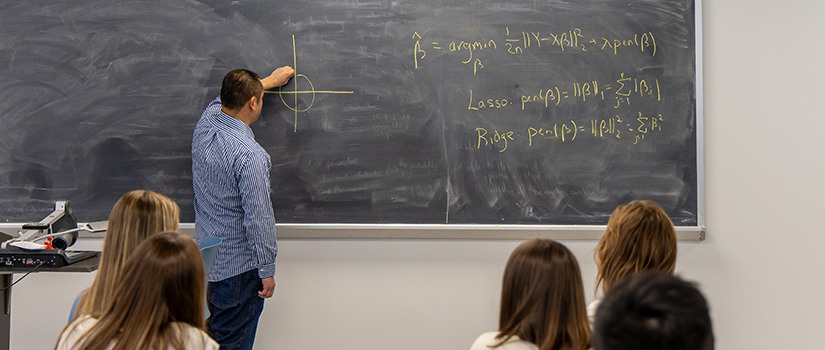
(269, 287)
(278, 78)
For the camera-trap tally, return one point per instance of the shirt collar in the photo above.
(229, 122)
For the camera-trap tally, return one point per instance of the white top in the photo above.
(486, 340)
(195, 338)
(591, 311)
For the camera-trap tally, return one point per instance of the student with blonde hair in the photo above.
(159, 304)
(639, 237)
(542, 301)
(136, 216)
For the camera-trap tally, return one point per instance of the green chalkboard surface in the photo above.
(404, 111)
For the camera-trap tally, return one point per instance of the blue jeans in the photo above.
(235, 307)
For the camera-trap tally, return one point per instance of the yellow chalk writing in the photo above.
(497, 137)
(517, 42)
(634, 130)
(492, 103)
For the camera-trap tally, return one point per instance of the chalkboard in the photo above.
(404, 111)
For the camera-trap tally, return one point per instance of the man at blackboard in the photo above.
(230, 175)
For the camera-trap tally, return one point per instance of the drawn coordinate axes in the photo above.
(297, 92)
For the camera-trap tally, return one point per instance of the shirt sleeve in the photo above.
(259, 218)
(213, 107)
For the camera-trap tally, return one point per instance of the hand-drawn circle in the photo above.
(311, 90)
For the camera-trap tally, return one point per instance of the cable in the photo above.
(38, 238)
(24, 276)
(85, 227)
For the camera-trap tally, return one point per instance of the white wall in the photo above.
(761, 266)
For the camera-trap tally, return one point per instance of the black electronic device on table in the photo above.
(13, 257)
(58, 231)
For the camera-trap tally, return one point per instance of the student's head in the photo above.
(639, 236)
(653, 310)
(542, 298)
(136, 216)
(239, 87)
(162, 282)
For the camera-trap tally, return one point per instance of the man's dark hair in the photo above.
(653, 310)
(238, 87)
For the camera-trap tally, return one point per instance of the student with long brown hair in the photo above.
(639, 236)
(542, 301)
(159, 304)
(136, 215)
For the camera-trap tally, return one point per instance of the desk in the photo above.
(6, 277)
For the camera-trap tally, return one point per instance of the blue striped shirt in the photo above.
(230, 176)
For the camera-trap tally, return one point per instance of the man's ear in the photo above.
(254, 103)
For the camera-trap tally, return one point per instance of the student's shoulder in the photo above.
(488, 339)
(196, 338)
(591, 310)
(83, 323)
(76, 329)
(483, 341)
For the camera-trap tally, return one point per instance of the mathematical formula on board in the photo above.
(518, 42)
(620, 93)
(633, 129)
(615, 96)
